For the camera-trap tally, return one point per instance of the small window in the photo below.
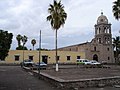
(31, 57)
(78, 57)
(17, 58)
(108, 49)
(94, 48)
(58, 57)
(99, 40)
(108, 58)
(68, 58)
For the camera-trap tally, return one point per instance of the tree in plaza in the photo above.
(57, 19)
(116, 9)
(33, 42)
(24, 40)
(116, 45)
(20, 39)
(5, 43)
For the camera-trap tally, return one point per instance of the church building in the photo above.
(100, 48)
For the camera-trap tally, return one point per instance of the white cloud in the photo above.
(28, 17)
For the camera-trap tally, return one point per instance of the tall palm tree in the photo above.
(33, 42)
(116, 9)
(19, 38)
(57, 19)
(24, 40)
(116, 45)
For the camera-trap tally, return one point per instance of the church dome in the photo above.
(102, 19)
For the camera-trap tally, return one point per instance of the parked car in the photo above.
(83, 62)
(28, 63)
(93, 62)
(104, 62)
(42, 65)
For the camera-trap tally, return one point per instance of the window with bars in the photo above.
(68, 58)
(31, 57)
(78, 57)
(17, 57)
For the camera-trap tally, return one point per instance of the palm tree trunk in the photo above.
(33, 47)
(56, 50)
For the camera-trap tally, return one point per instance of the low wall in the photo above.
(82, 83)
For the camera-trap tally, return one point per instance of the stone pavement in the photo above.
(73, 76)
(77, 73)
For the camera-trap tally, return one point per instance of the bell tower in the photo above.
(103, 30)
(102, 43)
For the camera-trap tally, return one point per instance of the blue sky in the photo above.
(28, 17)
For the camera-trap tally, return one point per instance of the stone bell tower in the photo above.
(103, 30)
(103, 39)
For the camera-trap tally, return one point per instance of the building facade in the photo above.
(64, 57)
(100, 48)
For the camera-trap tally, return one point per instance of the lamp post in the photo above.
(39, 53)
(24, 40)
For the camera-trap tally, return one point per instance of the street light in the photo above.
(24, 40)
(39, 53)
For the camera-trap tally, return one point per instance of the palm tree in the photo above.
(19, 38)
(33, 42)
(116, 45)
(57, 19)
(116, 9)
(24, 40)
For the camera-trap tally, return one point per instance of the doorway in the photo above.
(45, 59)
(95, 57)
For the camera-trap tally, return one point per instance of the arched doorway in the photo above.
(95, 57)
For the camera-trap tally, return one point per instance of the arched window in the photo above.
(105, 30)
(105, 40)
(108, 40)
(108, 30)
(99, 40)
(99, 30)
(94, 48)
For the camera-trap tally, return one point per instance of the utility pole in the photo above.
(39, 53)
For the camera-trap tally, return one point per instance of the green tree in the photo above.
(116, 45)
(21, 48)
(116, 9)
(57, 19)
(19, 38)
(5, 43)
(22, 39)
(33, 42)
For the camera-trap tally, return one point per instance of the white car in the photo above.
(93, 62)
(28, 62)
(41, 64)
(83, 62)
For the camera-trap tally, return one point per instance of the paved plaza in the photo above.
(15, 78)
(75, 72)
